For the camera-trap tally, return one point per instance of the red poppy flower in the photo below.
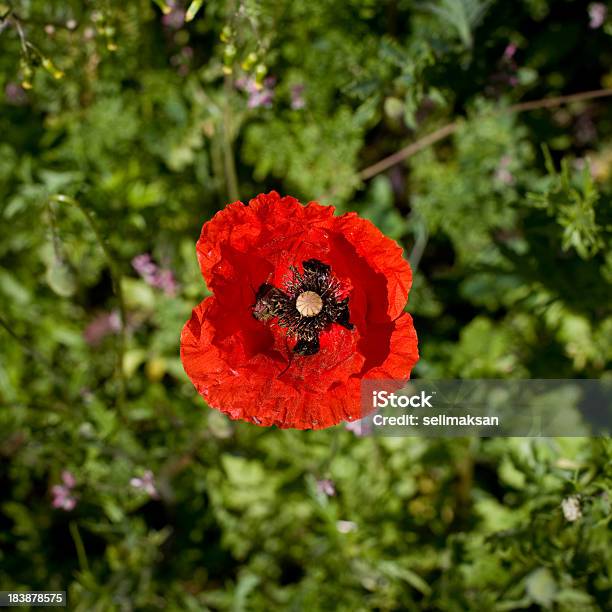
(306, 304)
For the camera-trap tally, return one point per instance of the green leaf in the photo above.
(132, 360)
(511, 475)
(541, 587)
(164, 7)
(395, 570)
(246, 583)
(193, 9)
(241, 471)
(60, 278)
(463, 15)
(113, 510)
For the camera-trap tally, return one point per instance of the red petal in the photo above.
(246, 368)
(269, 223)
(381, 255)
(250, 385)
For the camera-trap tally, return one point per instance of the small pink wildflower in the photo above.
(326, 486)
(68, 479)
(146, 483)
(62, 494)
(510, 51)
(597, 14)
(502, 173)
(297, 97)
(154, 275)
(104, 324)
(259, 96)
(175, 19)
(15, 94)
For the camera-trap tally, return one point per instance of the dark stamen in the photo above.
(309, 304)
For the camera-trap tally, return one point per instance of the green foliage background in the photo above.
(122, 131)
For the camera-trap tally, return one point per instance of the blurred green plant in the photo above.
(462, 15)
(164, 112)
(573, 207)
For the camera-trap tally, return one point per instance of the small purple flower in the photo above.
(513, 81)
(503, 173)
(505, 73)
(297, 97)
(68, 479)
(175, 19)
(154, 275)
(166, 282)
(510, 50)
(103, 325)
(62, 494)
(259, 96)
(146, 483)
(326, 487)
(597, 14)
(15, 94)
(182, 60)
(143, 264)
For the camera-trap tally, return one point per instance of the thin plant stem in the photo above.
(451, 128)
(22, 39)
(419, 247)
(26, 346)
(80, 548)
(117, 288)
(406, 152)
(231, 178)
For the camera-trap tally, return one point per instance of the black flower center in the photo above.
(308, 304)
